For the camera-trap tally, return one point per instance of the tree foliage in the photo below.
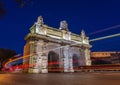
(2, 9)
(20, 3)
(6, 54)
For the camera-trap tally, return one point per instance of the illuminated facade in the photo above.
(112, 57)
(52, 49)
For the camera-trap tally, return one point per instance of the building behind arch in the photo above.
(51, 49)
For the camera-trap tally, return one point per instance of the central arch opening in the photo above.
(53, 62)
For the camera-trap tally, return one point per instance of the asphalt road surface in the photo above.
(103, 78)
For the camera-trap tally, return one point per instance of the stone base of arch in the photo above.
(44, 71)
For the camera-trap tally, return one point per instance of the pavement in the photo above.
(98, 78)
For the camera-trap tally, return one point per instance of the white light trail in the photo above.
(106, 29)
(105, 37)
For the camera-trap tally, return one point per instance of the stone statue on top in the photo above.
(64, 25)
(40, 20)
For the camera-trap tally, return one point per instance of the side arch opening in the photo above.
(53, 62)
(76, 62)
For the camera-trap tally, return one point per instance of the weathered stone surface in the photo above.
(51, 49)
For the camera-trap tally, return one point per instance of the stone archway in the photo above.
(53, 62)
(76, 61)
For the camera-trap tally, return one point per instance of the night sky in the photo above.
(91, 15)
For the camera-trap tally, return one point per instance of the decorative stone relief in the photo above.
(39, 26)
(66, 35)
(40, 20)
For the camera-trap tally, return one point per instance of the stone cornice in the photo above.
(54, 40)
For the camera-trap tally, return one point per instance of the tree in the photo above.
(2, 9)
(6, 54)
(20, 3)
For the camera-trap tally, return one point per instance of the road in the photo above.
(102, 78)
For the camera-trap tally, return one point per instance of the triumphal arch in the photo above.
(55, 50)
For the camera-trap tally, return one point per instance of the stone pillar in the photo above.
(61, 60)
(44, 64)
(44, 59)
(71, 64)
(30, 57)
(35, 68)
(82, 56)
(66, 60)
(39, 55)
(33, 62)
(87, 56)
(68, 64)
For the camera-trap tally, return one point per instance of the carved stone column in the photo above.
(68, 64)
(87, 56)
(39, 55)
(66, 59)
(32, 58)
(61, 60)
(44, 59)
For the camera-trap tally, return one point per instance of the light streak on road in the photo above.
(15, 60)
(31, 55)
